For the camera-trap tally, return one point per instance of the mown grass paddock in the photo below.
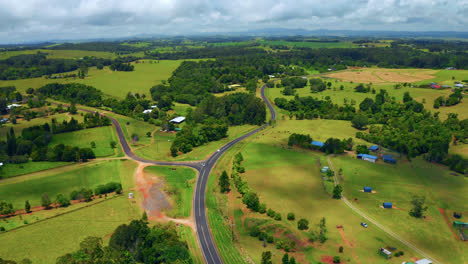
(101, 136)
(63, 181)
(117, 84)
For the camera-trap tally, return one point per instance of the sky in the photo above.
(39, 20)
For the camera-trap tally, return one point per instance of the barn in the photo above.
(388, 159)
(374, 148)
(367, 189)
(177, 120)
(387, 205)
(367, 157)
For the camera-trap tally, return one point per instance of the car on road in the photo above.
(364, 224)
(218, 150)
(203, 164)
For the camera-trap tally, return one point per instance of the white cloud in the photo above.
(29, 20)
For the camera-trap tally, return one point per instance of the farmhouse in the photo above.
(317, 144)
(147, 111)
(177, 120)
(367, 157)
(389, 159)
(423, 261)
(459, 85)
(460, 224)
(374, 148)
(271, 76)
(446, 86)
(367, 189)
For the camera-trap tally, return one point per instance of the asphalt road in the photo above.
(204, 168)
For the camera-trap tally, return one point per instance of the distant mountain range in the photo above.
(279, 32)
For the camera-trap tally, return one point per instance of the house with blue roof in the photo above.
(374, 148)
(367, 157)
(317, 144)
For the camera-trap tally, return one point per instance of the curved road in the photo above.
(205, 238)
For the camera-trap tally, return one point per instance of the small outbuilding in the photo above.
(154, 106)
(423, 261)
(384, 252)
(317, 144)
(374, 148)
(388, 159)
(460, 224)
(435, 86)
(147, 111)
(367, 157)
(130, 196)
(324, 169)
(177, 120)
(367, 189)
(387, 205)
(11, 106)
(459, 85)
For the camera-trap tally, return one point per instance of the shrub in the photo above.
(303, 224)
(277, 217)
(340, 249)
(291, 216)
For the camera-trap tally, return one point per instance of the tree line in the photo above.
(37, 65)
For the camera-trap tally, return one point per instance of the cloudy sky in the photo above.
(31, 20)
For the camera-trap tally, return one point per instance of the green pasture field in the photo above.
(63, 181)
(102, 136)
(397, 184)
(116, 84)
(179, 182)
(461, 149)
(43, 242)
(60, 54)
(10, 170)
(22, 124)
(159, 149)
(288, 180)
(314, 45)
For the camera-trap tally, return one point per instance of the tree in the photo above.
(291, 216)
(27, 206)
(285, 259)
(418, 206)
(11, 142)
(6, 208)
(113, 144)
(224, 182)
(292, 260)
(251, 200)
(362, 149)
(72, 109)
(359, 121)
(303, 224)
(337, 190)
(148, 134)
(62, 200)
(93, 144)
(266, 257)
(336, 259)
(45, 201)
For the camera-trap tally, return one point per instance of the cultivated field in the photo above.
(382, 76)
